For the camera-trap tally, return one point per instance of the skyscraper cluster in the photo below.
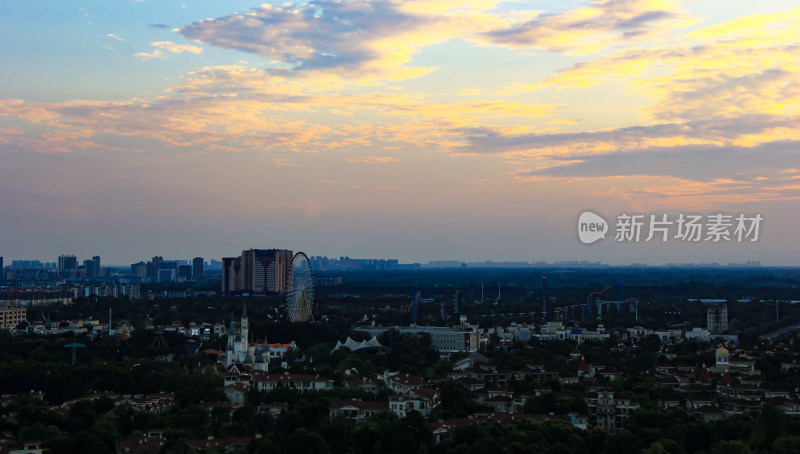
(160, 270)
(257, 272)
(90, 269)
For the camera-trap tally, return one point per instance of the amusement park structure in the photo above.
(300, 299)
(413, 308)
(601, 306)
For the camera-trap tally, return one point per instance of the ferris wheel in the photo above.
(300, 298)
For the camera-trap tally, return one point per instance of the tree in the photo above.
(729, 447)
(623, 442)
(305, 441)
(768, 427)
(650, 343)
(175, 447)
(786, 445)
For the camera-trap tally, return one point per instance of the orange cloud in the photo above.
(372, 159)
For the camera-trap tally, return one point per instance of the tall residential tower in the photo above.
(258, 272)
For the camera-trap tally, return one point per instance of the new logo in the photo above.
(591, 227)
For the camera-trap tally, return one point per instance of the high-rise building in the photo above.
(166, 275)
(258, 271)
(135, 292)
(139, 270)
(197, 268)
(231, 268)
(88, 266)
(96, 264)
(717, 319)
(2, 272)
(153, 266)
(184, 273)
(67, 263)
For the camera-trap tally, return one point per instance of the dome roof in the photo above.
(722, 350)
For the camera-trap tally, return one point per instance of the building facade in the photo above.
(197, 268)
(258, 272)
(462, 338)
(240, 350)
(11, 316)
(717, 319)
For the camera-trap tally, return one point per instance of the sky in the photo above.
(417, 130)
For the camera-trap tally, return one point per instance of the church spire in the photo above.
(244, 337)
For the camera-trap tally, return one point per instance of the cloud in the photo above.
(177, 48)
(341, 37)
(377, 39)
(745, 130)
(699, 163)
(149, 55)
(590, 29)
(115, 37)
(159, 26)
(360, 186)
(685, 177)
(283, 162)
(167, 46)
(312, 209)
(372, 159)
(745, 66)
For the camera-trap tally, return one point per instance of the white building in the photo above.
(462, 338)
(557, 331)
(240, 350)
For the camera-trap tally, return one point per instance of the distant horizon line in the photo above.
(451, 263)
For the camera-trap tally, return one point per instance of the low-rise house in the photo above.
(236, 393)
(422, 400)
(30, 447)
(144, 444)
(609, 412)
(493, 376)
(443, 430)
(668, 404)
(741, 406)
(211, 444)
(472, 384)
(697, 402)
(739, 390)
(273, 408)
(609, 373)
(401, 383)
(370, 385)
(578, 420)
(299, 382)
(356, 409)
(708, 413)
(500, 404)
(536, 372)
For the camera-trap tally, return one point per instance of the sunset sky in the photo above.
(417, 130)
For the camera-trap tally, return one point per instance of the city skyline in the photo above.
(417, 130)
(345, 262)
